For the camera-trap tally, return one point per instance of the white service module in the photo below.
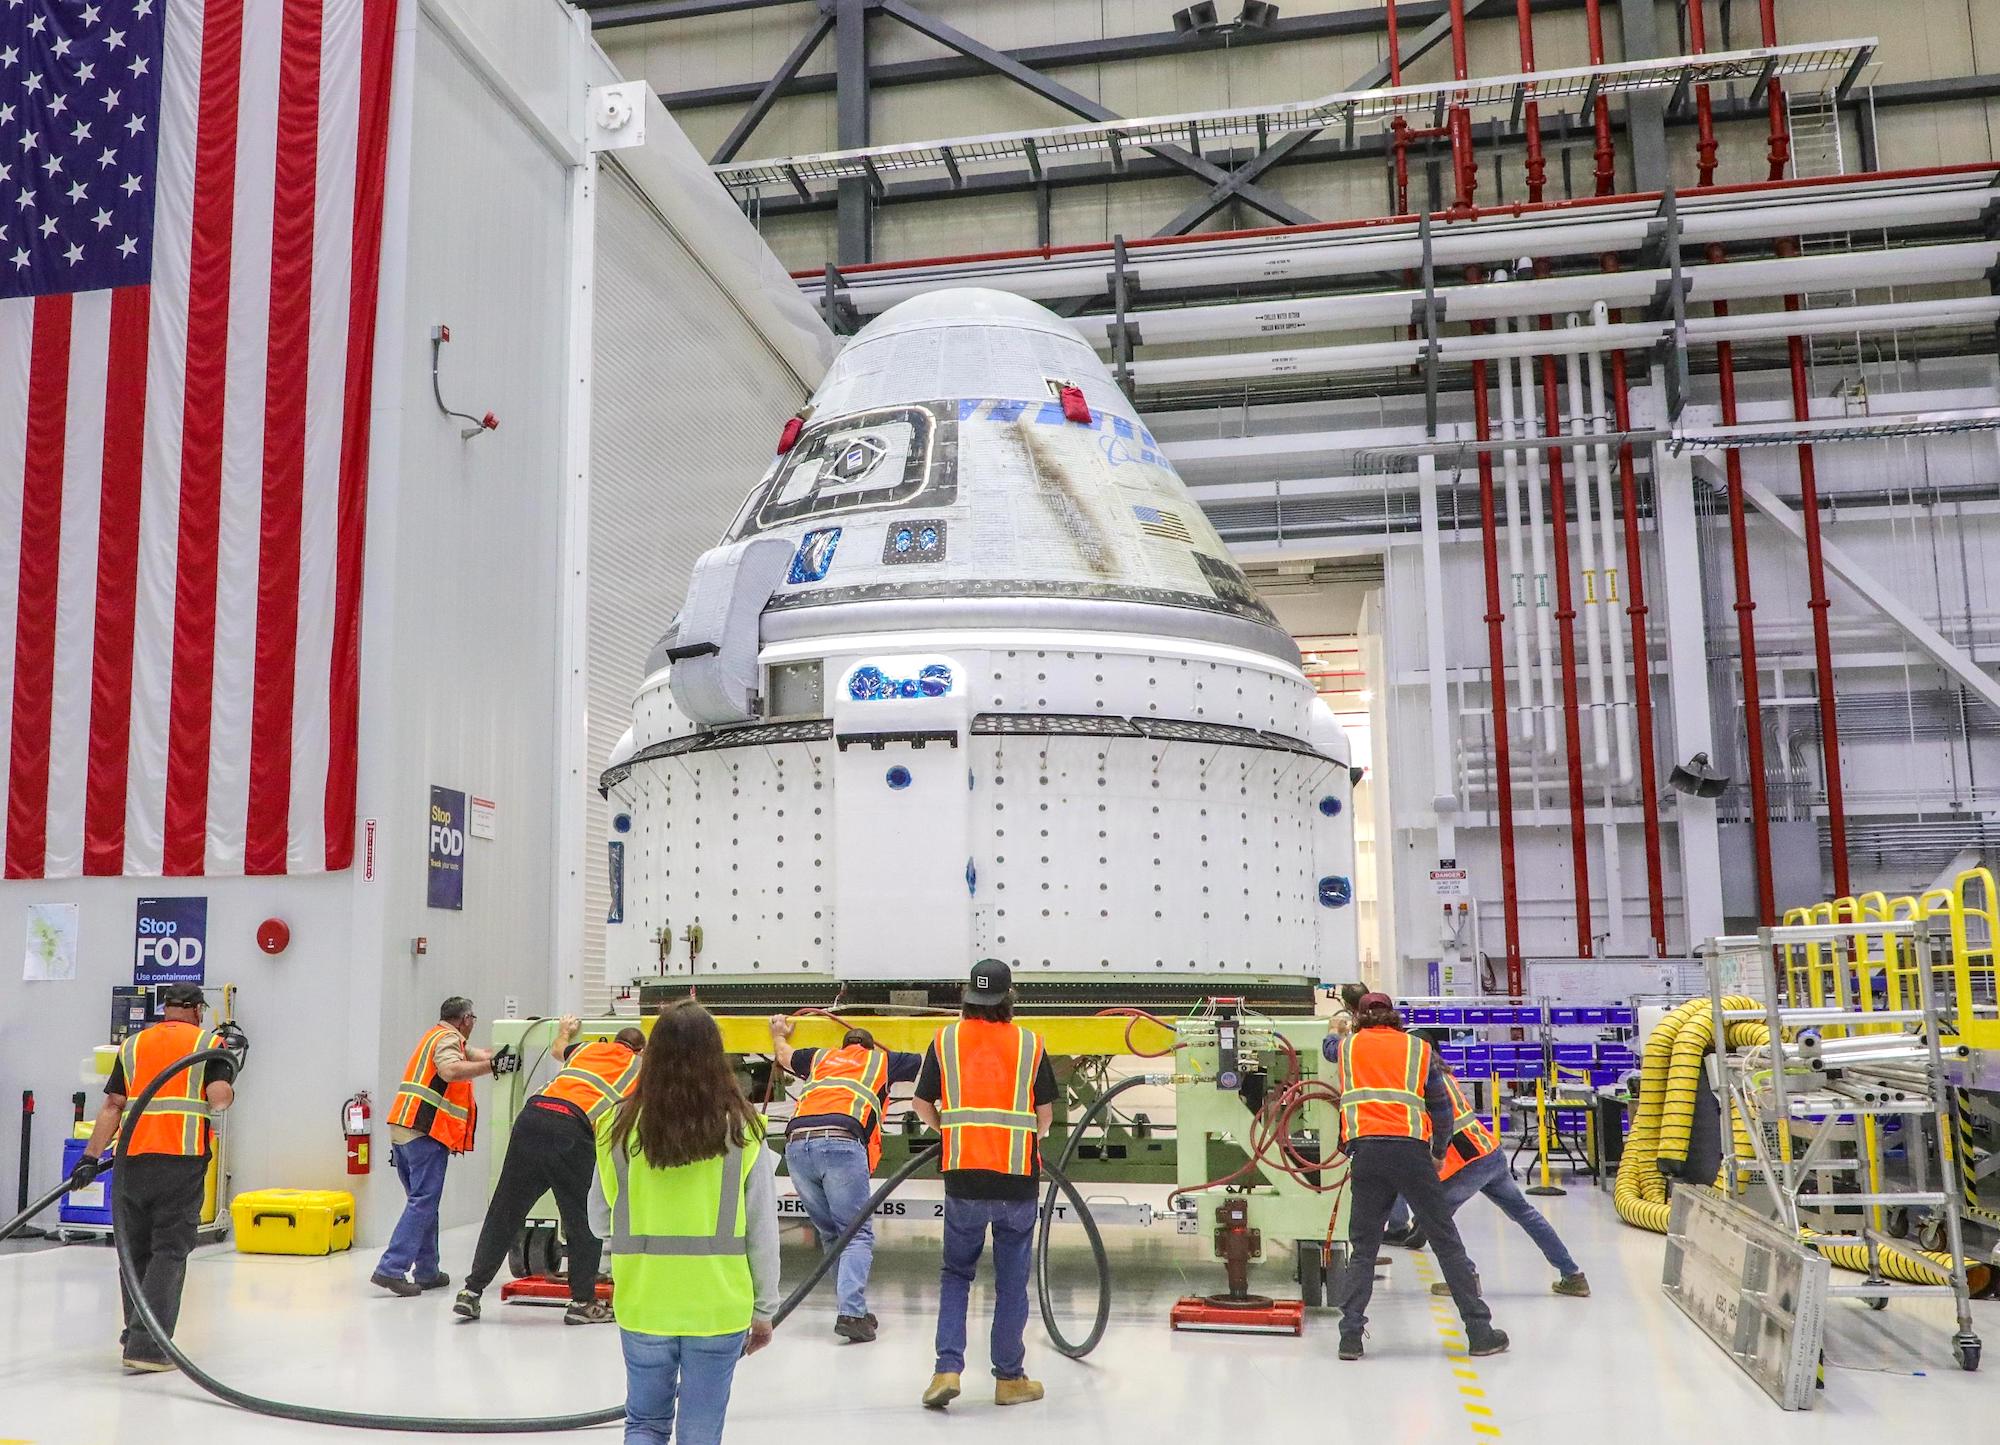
(1011, 698)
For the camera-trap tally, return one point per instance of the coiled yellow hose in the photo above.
(1663, 1122)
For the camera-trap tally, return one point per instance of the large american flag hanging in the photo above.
(190, 239)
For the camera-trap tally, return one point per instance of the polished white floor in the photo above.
(1622, 1367)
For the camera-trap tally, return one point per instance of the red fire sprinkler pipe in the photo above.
(1531, 109)
(1746, 633)
(1399, 128)
(1579, 843)
(1781, 144)
(1642, 667)
(1496, 656)
(1818, 602)
(1465, 164)
(1704, 108)
(1606, 155)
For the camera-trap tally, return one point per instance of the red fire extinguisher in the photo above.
(354, 1124)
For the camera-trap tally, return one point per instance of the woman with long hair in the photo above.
(686, 1198)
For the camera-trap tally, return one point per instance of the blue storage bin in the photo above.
(1602, 1077)
(1476, 1014)
(1478, 1058)
(1593, 1015)
(1617, 1056)
(1623, 1018)
(1453, 1056)
(1575, 1055)
(1451, 1017)
(1529, 1016)
(1563, 1018)
(1423, 1014)
(92, 1203)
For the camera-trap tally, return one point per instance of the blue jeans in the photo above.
(965, 1224)
(831, 1176)
(691, 1372)
(1399, 1216)
(1489, 1176)
(414, 1246)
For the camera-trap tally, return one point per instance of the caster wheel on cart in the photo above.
(1880, 1302)
(536, 1251)
(1965, 1350)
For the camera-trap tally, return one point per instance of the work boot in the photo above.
(1350, 1347)
(395, 1284)
(1411, 1238)
(858, 1328)
(943, 1390)
(590, 1312)
(148, 1364)
(1573, 1285)
(1019, 1391)
(436, 1281)
(1443, 1286)
(466, 1306)
(1485, 1340)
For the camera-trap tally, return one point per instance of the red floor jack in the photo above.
(1238, 1312)
(544, 1289)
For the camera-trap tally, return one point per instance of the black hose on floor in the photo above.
(540, 1424)
(1059, 1179)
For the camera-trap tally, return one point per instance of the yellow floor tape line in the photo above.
(1451, 1333)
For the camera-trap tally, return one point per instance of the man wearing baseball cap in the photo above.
(989, 1090)
(164, 1173)
(1396, 1126)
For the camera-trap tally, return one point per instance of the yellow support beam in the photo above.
(1065, 1035)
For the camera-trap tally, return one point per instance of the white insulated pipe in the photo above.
(1538, 552)
(1961, 261)
(1587, 231)
(1517, 607)
(1600, 425)
(1630, 335)
(1586, 530)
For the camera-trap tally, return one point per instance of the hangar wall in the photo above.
(473, 676)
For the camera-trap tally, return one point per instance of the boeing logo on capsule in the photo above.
(872, 683)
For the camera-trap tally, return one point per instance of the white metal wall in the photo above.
(688, 402)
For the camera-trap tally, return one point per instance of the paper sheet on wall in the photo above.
(50, 952)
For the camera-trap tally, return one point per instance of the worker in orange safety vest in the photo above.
(834, 1143)
(1396, 1130)
(163, 1176)
(433, 1117)
(553, 1150)
(988, 1088)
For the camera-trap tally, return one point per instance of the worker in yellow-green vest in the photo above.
(686, 1200)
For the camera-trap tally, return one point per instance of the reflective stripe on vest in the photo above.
(1382, 1085)
(725, 1240)
(427, 1103)
(580, 1083)
(1470, 1138)
(964, 1120)
(177, 1120)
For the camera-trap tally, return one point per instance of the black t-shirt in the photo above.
(903, 1069)
(990, 1183)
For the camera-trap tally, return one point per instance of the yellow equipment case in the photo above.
(293, 1221)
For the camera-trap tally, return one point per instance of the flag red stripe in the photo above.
(41, 571)
(191, 695)
(378, 48)
(117, 583)
(268, 823)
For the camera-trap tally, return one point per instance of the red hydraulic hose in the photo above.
(1642, 667)
(1704, 107)
(1496, 659)
(1606, 154)
(1579, 843)
(1781, 143)
(1746, 633)
(1531, 109)
(1465, 164)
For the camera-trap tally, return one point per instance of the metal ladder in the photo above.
(1817, 150)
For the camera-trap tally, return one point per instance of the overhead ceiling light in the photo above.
(1195, 19)
(1699, 776)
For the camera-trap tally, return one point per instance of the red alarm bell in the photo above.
(273, 934)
